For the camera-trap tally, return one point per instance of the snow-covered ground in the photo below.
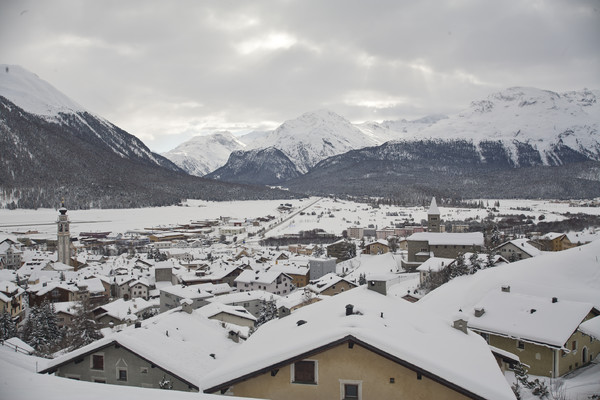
(333, 216)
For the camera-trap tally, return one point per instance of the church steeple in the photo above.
(64, 236)
(433, 217)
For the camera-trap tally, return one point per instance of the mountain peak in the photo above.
(32, 94)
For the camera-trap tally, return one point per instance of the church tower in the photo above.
(64, 236)
(433, 217)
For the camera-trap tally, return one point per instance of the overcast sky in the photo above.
(168, 70)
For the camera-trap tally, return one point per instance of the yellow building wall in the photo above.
(541, 358)
(343, 363)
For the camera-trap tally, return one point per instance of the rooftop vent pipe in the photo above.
(349, 309)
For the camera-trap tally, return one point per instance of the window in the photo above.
(305, 372)
(520, 345)
(143, 370)
(350, 390)
(122, 374)
(574, 345)
(486, 337)
(98, 361)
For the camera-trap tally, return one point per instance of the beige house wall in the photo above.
(338, 288)
(342, 363)
(233, 319)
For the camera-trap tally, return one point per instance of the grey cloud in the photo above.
(187, 67)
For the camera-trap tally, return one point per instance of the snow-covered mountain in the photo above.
(268, 166)
(36, 96)
(399, 129)
(203, 154)
(315, 136)
(52, 148)
(542, 119)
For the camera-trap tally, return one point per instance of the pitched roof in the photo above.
(171, 341)
(433, 208)
(435, 264)
(530, 318)
(436, 238)
(429, 345)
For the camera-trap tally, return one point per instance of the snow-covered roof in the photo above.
(591, 327)
(170, 340)
(530, 318)
(188, 292)
(571, 274)
(121, 309)
(525, 246)
(436, 238)
(212, 309)
(428, 343)
(258, 276)
(433, 208)
(240, 297)
(435, 264)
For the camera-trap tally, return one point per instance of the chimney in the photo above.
(461, 325)
(235, 336)
(555, 299)
(506, 288)
(187, 305)
(349, 309)
(479, 311)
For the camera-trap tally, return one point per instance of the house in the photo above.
(424, 245)
(236, 315)
(251, 300)
(11, 255)
(298, 271)
(518, 249)
(270, 281)
(54, 292)
(554, 242)
(321, 266)
(542, 331)
(123, 311)
(380, 246)
(65, 312)
(139, 288)
(223, 274)
(330, 285)
(347, 346)
(171, 296)
(166, 350)
(11, 300)
(433, 264)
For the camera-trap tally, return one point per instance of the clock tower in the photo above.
(64, 236)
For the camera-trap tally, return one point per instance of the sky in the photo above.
(166, 71)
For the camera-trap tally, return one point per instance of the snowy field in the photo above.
(331, 215)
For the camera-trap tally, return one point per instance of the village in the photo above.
(243, 307)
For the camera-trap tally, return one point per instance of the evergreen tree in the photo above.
(475, 263)
(268, 311)
(8, 327)
(459, 267)
(84, 329)
(41, 330)
(362, 279)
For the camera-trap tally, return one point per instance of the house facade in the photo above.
(542, 332)
(11, 299)
(422, 246)
(343, 370)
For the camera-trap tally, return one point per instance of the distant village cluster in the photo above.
(203, 307)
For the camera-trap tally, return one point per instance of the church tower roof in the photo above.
(433, 208)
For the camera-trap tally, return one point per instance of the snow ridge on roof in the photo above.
(427, 342)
